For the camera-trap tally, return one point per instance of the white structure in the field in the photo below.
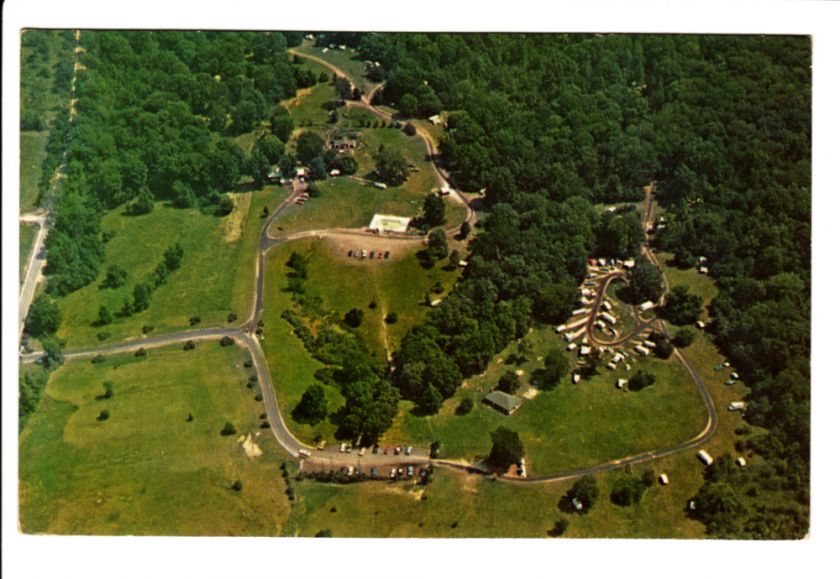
(572, 346)
(641, 350)
(610, 365)
(643, 307)
(705, 457)
(389, 223)
(610, 319)
(575, 377)
(737, 406)
(629, 263)
(741, 461)
(607, 306)
(621, 383)
(663, 479)
(618, 358)
(701, 325)
(585, 350)
(648, 344)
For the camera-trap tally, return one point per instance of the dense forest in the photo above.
(156, 114)
(550, 124)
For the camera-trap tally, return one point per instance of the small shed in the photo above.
(607, 306)
(703, 269)
(663, 479)
(463, 263)
(585, 350)
(648, 344)
(629, 263)
(737, 406)
(610, 365)
(618, 358)
(621, 383)
(434, 119)
(503, 402)
(560, 329)
(701, 325)
(734, 376)
(645, 306)
(705, 457)
(571, 347)
(575, 377)
(741, 461)
(609, 318)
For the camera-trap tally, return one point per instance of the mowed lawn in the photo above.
(571, 426)
(345, 60)
(28, 233)
(216, 277)
(348, 202)
(458, 505)
(147, 470)
(396, 285)
(32, 154)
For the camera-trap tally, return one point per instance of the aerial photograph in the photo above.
(354, 284)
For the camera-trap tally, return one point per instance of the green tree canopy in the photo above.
(507, 448)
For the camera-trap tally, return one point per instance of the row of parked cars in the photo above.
(375, 449)
(364, 253)
(394, 472)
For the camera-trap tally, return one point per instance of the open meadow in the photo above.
(32, 154)
(216, 276)
(571, 426)
(148, 469)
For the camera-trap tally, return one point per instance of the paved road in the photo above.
(245, 335)
(37, 258)
(33, 268)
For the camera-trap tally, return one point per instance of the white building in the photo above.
(705, 457)
(621, 383)
(646, 306)
(610, 319)
(641, 350)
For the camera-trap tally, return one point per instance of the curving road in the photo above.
(246, 336)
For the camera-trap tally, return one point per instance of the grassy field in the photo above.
(32, 154)
(456, 505)
(697, 283)
(398, 284)
(27, 240)
(571, 426)
(345, 60)
(216, 276)
(346, 202)
(146, 469)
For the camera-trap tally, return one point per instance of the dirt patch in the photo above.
(234, 222)
(251, 448)
(295, 102)
(531, 393)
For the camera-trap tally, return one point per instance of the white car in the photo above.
(362, 451)
(304, 452)
(343, 447)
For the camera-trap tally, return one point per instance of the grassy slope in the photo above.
(27, 240)
(483, 508)
(32, 153)
(343, 59)
(146, 470)
(571, 426)
(398, 285)
(216, 276)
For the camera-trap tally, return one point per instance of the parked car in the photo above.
(362, 451)
(408, 450)
(303, 452)
(393, 473)
(399, 471)
(342, 447)
(729, 382)
(373, 471)
(397, 450)
(410, 471)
